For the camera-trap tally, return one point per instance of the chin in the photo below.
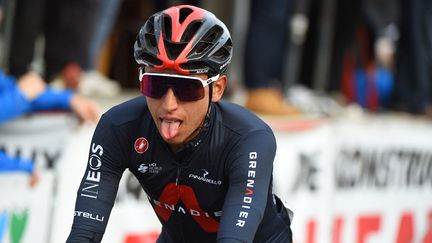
(175, 141)
(174, 144)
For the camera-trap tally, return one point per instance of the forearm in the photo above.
(52, 99)
(98, 188)
(83, 236)
(13, 104)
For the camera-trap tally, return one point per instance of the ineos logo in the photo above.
(95, 162)
(90, 186)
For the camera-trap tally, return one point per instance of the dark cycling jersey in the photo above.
(218, 188)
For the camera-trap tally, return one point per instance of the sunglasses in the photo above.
(185, 88)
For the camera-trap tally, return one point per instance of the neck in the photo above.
(193, 139)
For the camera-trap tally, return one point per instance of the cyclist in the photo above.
(205, 164)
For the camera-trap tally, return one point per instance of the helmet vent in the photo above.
(150, 40)
(149, 27)
(201, 47)
(151, 60)
(223, 52)
(184, 13)
(173, 49)
(166, 27)
(213, 34)
(197, 65)
(191, 30)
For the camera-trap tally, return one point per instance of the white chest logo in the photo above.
(151, 168)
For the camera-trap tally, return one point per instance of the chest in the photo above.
(198, 178)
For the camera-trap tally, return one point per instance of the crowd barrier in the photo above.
(363, 180)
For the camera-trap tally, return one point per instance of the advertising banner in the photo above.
(367, 180)
(26, 211)
(363, 181)
(25, 216)
(132, 218)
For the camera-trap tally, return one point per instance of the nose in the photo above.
(169, 100)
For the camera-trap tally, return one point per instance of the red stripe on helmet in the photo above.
(168, 63)
(179, 28)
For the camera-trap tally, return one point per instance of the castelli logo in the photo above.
(141, 145)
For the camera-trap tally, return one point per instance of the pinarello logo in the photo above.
(141, 145)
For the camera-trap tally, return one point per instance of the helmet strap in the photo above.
(210, 98)
(210, 93)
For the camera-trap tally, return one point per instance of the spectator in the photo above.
(31, 94)
(92, 79)
(67, 27)
(414, 58)
(264, 57)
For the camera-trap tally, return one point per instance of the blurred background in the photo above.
(345, 85)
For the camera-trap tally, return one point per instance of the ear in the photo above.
(219, 88)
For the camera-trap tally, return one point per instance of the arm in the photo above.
(250, 173)
(98, 188)
(13, 101)
(13, 104)
(52, 99)
(31, 94)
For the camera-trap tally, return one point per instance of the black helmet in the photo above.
(184, 38)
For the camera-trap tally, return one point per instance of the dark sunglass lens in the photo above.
(185, 89)
(153, 86)
(189, 90)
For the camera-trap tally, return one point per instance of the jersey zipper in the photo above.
(179, 192)
(178, 176)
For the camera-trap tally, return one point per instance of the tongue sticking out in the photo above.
(169, 129)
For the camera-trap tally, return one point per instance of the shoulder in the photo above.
(239, 119)
(120, 124)
(6, 82)
(244, 135)
(127, 111)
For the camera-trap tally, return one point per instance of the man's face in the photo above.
(177, 121)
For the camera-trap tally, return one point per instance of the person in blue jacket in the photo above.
(30, 94)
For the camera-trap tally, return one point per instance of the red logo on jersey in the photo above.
(141, 145)
(169, 199)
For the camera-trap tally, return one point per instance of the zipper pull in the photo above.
(178, 175)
